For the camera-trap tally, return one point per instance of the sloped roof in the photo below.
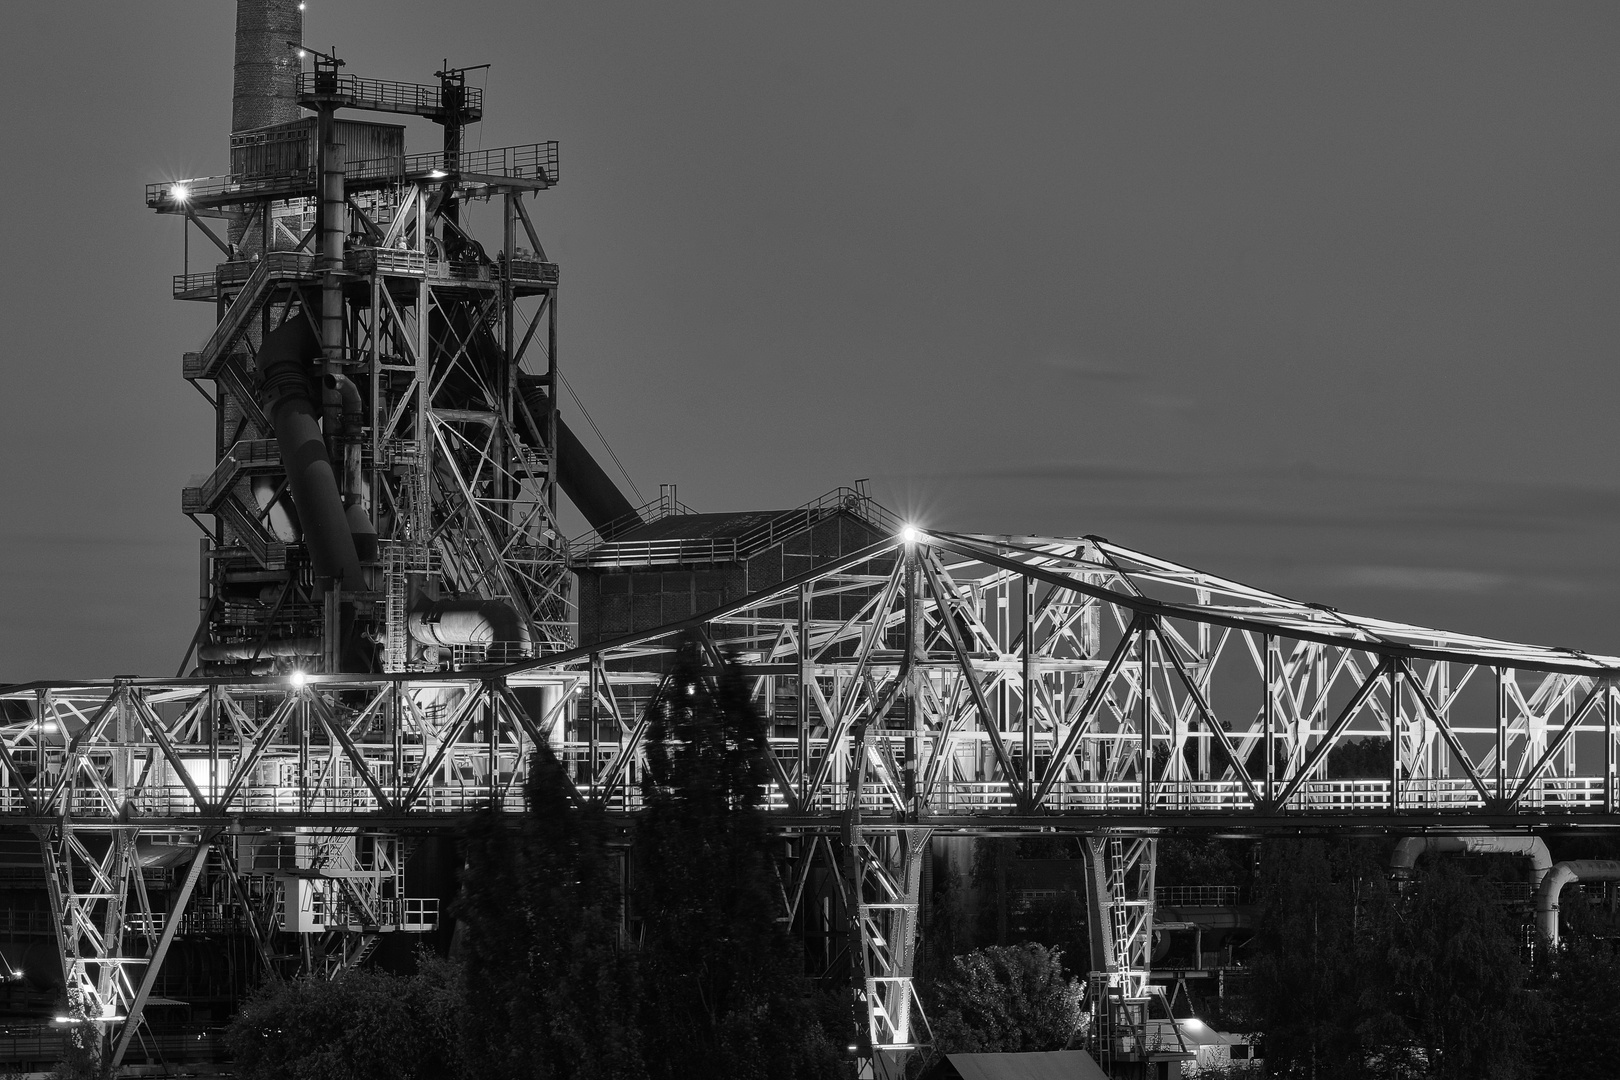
(700, 526)
(1052, 1065)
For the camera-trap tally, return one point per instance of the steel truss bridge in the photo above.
(930, 684)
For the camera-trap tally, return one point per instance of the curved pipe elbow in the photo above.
(1409, 849)
(1552, 885)
(284, 368)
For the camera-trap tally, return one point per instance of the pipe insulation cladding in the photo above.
(284, 363)
(1533, 848)
(253, 650)
(471, 622)
(1553, 884)
(586, 484)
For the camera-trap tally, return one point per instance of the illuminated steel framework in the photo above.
(930, 684)
(433, 388)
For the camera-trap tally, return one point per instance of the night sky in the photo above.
(1321, 298)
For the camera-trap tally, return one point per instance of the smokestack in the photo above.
(265, 90)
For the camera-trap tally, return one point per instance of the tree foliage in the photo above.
(1451, 972)
(552, 992)
(1579, 1029)
(725, 989)
(1309, 979)
(368, 1025)
(1355, 978)
(1010, 999)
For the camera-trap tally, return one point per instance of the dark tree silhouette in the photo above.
(1310, 981)
(1451, 972)
(551, 989)
(725, 993)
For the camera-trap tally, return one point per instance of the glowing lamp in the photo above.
(297, 679)
(437, 174)
(179, 193)
(910, 534)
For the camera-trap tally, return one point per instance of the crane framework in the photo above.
(438, 434)
(931, 684)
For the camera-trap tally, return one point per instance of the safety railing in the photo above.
(419, 913)
(195, 286)
(459, 795)
(174, 196)
(247, 453)
(594, 550)
(400, 262)
(383, 95)
(1197, 896)
(275, 266)
(527, 161)
(665, 505)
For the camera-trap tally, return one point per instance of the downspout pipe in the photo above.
(587, 485)
(343, 416)
(284, 363)
(1410, 848)
(490, 624)
(1553, 884)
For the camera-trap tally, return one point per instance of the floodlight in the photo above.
(437, 174)
(179, 193)
(297, 678)
(910, 534)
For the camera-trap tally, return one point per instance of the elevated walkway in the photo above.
(525, 167)
(962, 756)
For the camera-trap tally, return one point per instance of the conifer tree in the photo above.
(725, 991)
(551, 989)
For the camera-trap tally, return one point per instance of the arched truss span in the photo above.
(975, 678)
(972, 684)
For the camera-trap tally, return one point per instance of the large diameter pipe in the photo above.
(481, 623)
(253, 650)
(342, 415)
(1533, 848)
(332, 230)
(1553, 884)
(587, 485)
(284, 368)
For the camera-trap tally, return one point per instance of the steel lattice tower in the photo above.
(385, 489)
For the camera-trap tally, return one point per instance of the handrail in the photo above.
(525, 161)
(385, 95)
(245, 453)
(1197, 895)
(276, 264)
(592, 549)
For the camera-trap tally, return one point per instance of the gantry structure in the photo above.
(385, 489)
(391, 624)
(925, 685)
